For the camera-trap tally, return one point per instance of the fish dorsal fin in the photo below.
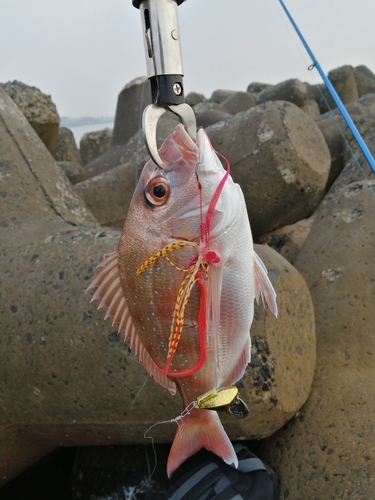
(263, 286)
(111, 296)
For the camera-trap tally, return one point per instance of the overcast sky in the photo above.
(83, 52)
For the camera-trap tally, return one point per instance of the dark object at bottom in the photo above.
(213, 480)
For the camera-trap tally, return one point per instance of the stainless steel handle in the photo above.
(163, 50)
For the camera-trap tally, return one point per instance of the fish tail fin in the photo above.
(200, 429)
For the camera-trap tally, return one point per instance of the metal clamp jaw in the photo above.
(164, 70)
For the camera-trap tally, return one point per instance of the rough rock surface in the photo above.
(290, 90)
(366, 126)
(313, 91)
(353, 108)
(207, 113)
(66, 147)
(131, 102)
(29, 193)
(105, 161)
(33, 190)
(54, 341)
(219, 95)
(288, 240)
(194, 98)
(108, 194)
(50, 245)
(357, 168)
(342, 148)
(238, 101)
(329, 127)
(73, 170)
(133, 151)
(343, 80)
(256, 87)
(328, 450)
(344, 83)
(333, 127)
(368, 102)
(94, 144)
(280, 159)
(311, 108)
(364, 79)
(39, 110)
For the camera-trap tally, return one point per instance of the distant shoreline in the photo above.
(85, 120)
(80, 130)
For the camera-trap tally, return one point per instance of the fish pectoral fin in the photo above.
(111, 296)
(108, 287)
(200, 429)
(263, 286)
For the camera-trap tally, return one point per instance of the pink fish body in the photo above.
(183, 281)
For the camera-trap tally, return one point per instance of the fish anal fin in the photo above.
(240, 367)
(263, 286)
(200, 429)
(148, 363)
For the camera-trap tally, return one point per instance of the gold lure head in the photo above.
(216, 398)
(223, 399)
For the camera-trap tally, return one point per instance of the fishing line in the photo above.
(333, 93)
(315, 65)
(354, 156)
(183, 414)
(140, 390)
(139, 135)
(292, 36)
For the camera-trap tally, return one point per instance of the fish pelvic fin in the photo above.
(240, 367)
(109, 292)
(200, 429)
(263, 286)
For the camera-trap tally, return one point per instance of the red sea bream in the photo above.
(182, 284)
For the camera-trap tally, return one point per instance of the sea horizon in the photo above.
(80, 130)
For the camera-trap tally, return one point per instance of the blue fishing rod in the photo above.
(332, 91)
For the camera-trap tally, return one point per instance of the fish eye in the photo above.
(157, 191)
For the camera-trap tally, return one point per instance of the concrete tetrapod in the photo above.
(66, 377)
(328, 450)
(64, 372)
